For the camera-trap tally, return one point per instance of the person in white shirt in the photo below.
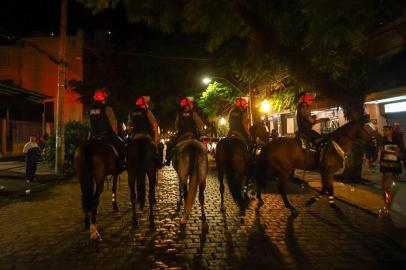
(31, 151)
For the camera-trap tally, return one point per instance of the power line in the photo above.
(177, 58)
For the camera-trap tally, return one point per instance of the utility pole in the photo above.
(250, 97)
(60, 140)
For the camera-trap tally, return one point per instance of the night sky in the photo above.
(44, 16)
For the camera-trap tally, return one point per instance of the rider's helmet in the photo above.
(100, 95)
(143, 102)
(306, 98)
(241, 102)
(187, 102)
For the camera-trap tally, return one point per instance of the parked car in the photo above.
(398, 204)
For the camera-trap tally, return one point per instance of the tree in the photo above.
(319, 42)
(216, 99)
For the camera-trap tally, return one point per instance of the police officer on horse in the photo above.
(188, 122)
(142, 121)
(103, 124)
(238, 120)
(305, 120)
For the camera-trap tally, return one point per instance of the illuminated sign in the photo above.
(395, 107)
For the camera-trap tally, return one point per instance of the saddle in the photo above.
(140, 135)
(237, 135)
(306, 143)
(186, 136)
(103, 140)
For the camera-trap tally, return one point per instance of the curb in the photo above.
(341, 199)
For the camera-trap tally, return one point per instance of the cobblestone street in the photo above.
(45, 231)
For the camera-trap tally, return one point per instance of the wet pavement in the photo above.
(45, 231)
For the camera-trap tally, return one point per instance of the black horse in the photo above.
(142, 160)
(233, 160)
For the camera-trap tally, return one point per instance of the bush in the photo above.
(75, 133)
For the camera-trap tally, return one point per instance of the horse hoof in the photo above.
(94, 234)
(183, 221)
(205, 226)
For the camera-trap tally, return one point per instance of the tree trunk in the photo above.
(353, 169)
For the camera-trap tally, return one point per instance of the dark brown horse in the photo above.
(94, 161)
(232, 159)
(280, 157)
(142, 161)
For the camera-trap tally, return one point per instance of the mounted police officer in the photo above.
(305, 120)
(142, 121)
(238, 119)
(188, 122)
(103, 123)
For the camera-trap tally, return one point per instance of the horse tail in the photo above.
(194, 168)
(84, 171)
(232, 181)
(261, 169)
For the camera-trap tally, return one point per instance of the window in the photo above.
(4, 59)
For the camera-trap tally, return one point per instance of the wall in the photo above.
(34, 71)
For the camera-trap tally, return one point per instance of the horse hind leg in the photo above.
(141, 189)
(283, 179)
(221, 180)
(133, 196)
(94, 234)
(152, 179)
(114, 194)
(202, 187)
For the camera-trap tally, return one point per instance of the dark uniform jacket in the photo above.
(236, 122)
(99, 122)
(140, 122)
(187, 124)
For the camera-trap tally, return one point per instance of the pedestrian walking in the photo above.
(31, 151)
(371, 152)
(390, 165)
(274, 134)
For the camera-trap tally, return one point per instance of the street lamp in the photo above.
(222, 121)
(265, 106)
(206, 80)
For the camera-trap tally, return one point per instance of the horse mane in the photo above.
(343, 129)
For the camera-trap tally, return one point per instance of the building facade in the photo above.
(27, 67)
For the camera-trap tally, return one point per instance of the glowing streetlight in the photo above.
(207, 80)
(222, 121)
(265, 106)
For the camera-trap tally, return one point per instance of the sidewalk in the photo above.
(366, 195)
(12, 179)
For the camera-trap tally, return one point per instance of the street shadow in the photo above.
(230, 249)
(198, 260)
(261, 252)
(297, 253)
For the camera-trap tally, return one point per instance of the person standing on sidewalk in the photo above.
(390, 161)
(398, 134)
(31, 151)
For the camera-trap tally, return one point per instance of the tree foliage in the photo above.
(216, 98)
(75, 134)
(319, 42)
